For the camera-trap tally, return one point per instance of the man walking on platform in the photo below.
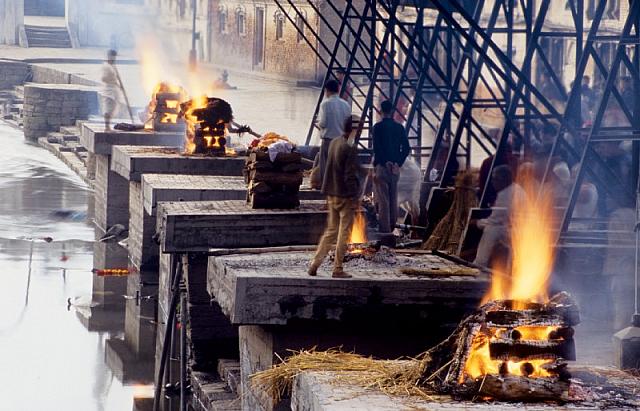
(341, 185)
(391, 148)
(110, 88)
(332, 117)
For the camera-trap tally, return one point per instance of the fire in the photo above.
(172, 103)
(171, 118)
(196, 103)
(358, 230)
(531, 264)
(143, 391)
(532, 251)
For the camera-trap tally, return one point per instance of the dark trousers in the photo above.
(386, 192)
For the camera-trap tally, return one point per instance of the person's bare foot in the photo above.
(340, 274)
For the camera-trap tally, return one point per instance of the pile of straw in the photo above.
(399, 377)
(448, 233)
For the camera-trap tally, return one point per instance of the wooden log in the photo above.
(291, 167)
(272, 177)
(261, 250)
(260, 165)
(273, 201)
(545, 316)
(282, 158)
(515, 388)
(260, 187)
(507, 349)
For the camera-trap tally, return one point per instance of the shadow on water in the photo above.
(55, 323)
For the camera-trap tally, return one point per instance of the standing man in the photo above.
(332, 117)
(341, 185)
(390, 148)
(110, 88)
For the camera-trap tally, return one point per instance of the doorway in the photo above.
(258, 40)
(50, 8)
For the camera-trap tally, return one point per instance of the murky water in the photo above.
(50, 359)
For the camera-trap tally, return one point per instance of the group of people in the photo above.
(340, 174)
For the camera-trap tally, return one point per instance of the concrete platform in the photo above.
(131, 162)
(379, 312)
(319, 391)
(111, 190)
(177, 187)
(203, 225)
(275, 289)
(98, 141)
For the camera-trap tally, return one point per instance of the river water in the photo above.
(50, 359)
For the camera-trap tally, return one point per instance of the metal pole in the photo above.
(183, 352)
(194, 36)
(167, 337)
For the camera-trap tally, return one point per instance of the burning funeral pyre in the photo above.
(207, 120)
(164, 108)
(513, 348)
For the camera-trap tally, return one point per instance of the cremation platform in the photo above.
(202, 225)
(111, 190)
(99, 141)
(275, 289)
(179, 187)
(380, 311)
(328, 391)
(132, 162)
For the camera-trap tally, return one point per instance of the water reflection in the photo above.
(50, 360)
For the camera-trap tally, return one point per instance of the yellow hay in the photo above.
(400, 377)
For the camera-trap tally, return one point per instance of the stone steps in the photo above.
(212, 394)
(53, 37)
(229, 372)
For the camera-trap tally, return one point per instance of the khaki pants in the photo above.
(341, 214)
(386, 186)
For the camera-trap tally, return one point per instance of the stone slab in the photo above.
(131, 162)
(98, 141)
(178, 187)
(198, 226)
(320, 391)
(275, 288)
(111, 195)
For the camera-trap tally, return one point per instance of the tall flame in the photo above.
(358, 230)
(532, 249)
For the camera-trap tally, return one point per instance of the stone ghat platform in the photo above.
(178, 187)
(380, 311)
(198, 226)
(111, 190)
(131, 162)
(327, 391)
(99, 141)
(275, 289)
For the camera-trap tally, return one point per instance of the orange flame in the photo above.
(532, 250)
(358, 230)
(531, 264)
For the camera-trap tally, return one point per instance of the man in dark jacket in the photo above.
(341, 185)
(391, 148)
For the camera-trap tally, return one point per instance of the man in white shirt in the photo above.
(332, 117)
(496, 228)
(110, 91)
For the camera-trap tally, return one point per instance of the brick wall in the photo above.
(286, 56)
(143, 251)
(47, 107)
(111, 195)
(12, 74)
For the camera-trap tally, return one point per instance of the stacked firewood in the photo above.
(273, 184)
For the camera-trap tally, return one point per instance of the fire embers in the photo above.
(164, 107)
(207, 119)
(517, 351)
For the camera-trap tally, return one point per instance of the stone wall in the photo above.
(47, 107)
(143, 251)
(12, 73)
(11, 21)
(111, 195)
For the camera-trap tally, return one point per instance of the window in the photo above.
(279, 17)
(300, 28)
(612, 12)
(222, 20)
(241, 23)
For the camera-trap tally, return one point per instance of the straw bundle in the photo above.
(448, 233)
(398, 377)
